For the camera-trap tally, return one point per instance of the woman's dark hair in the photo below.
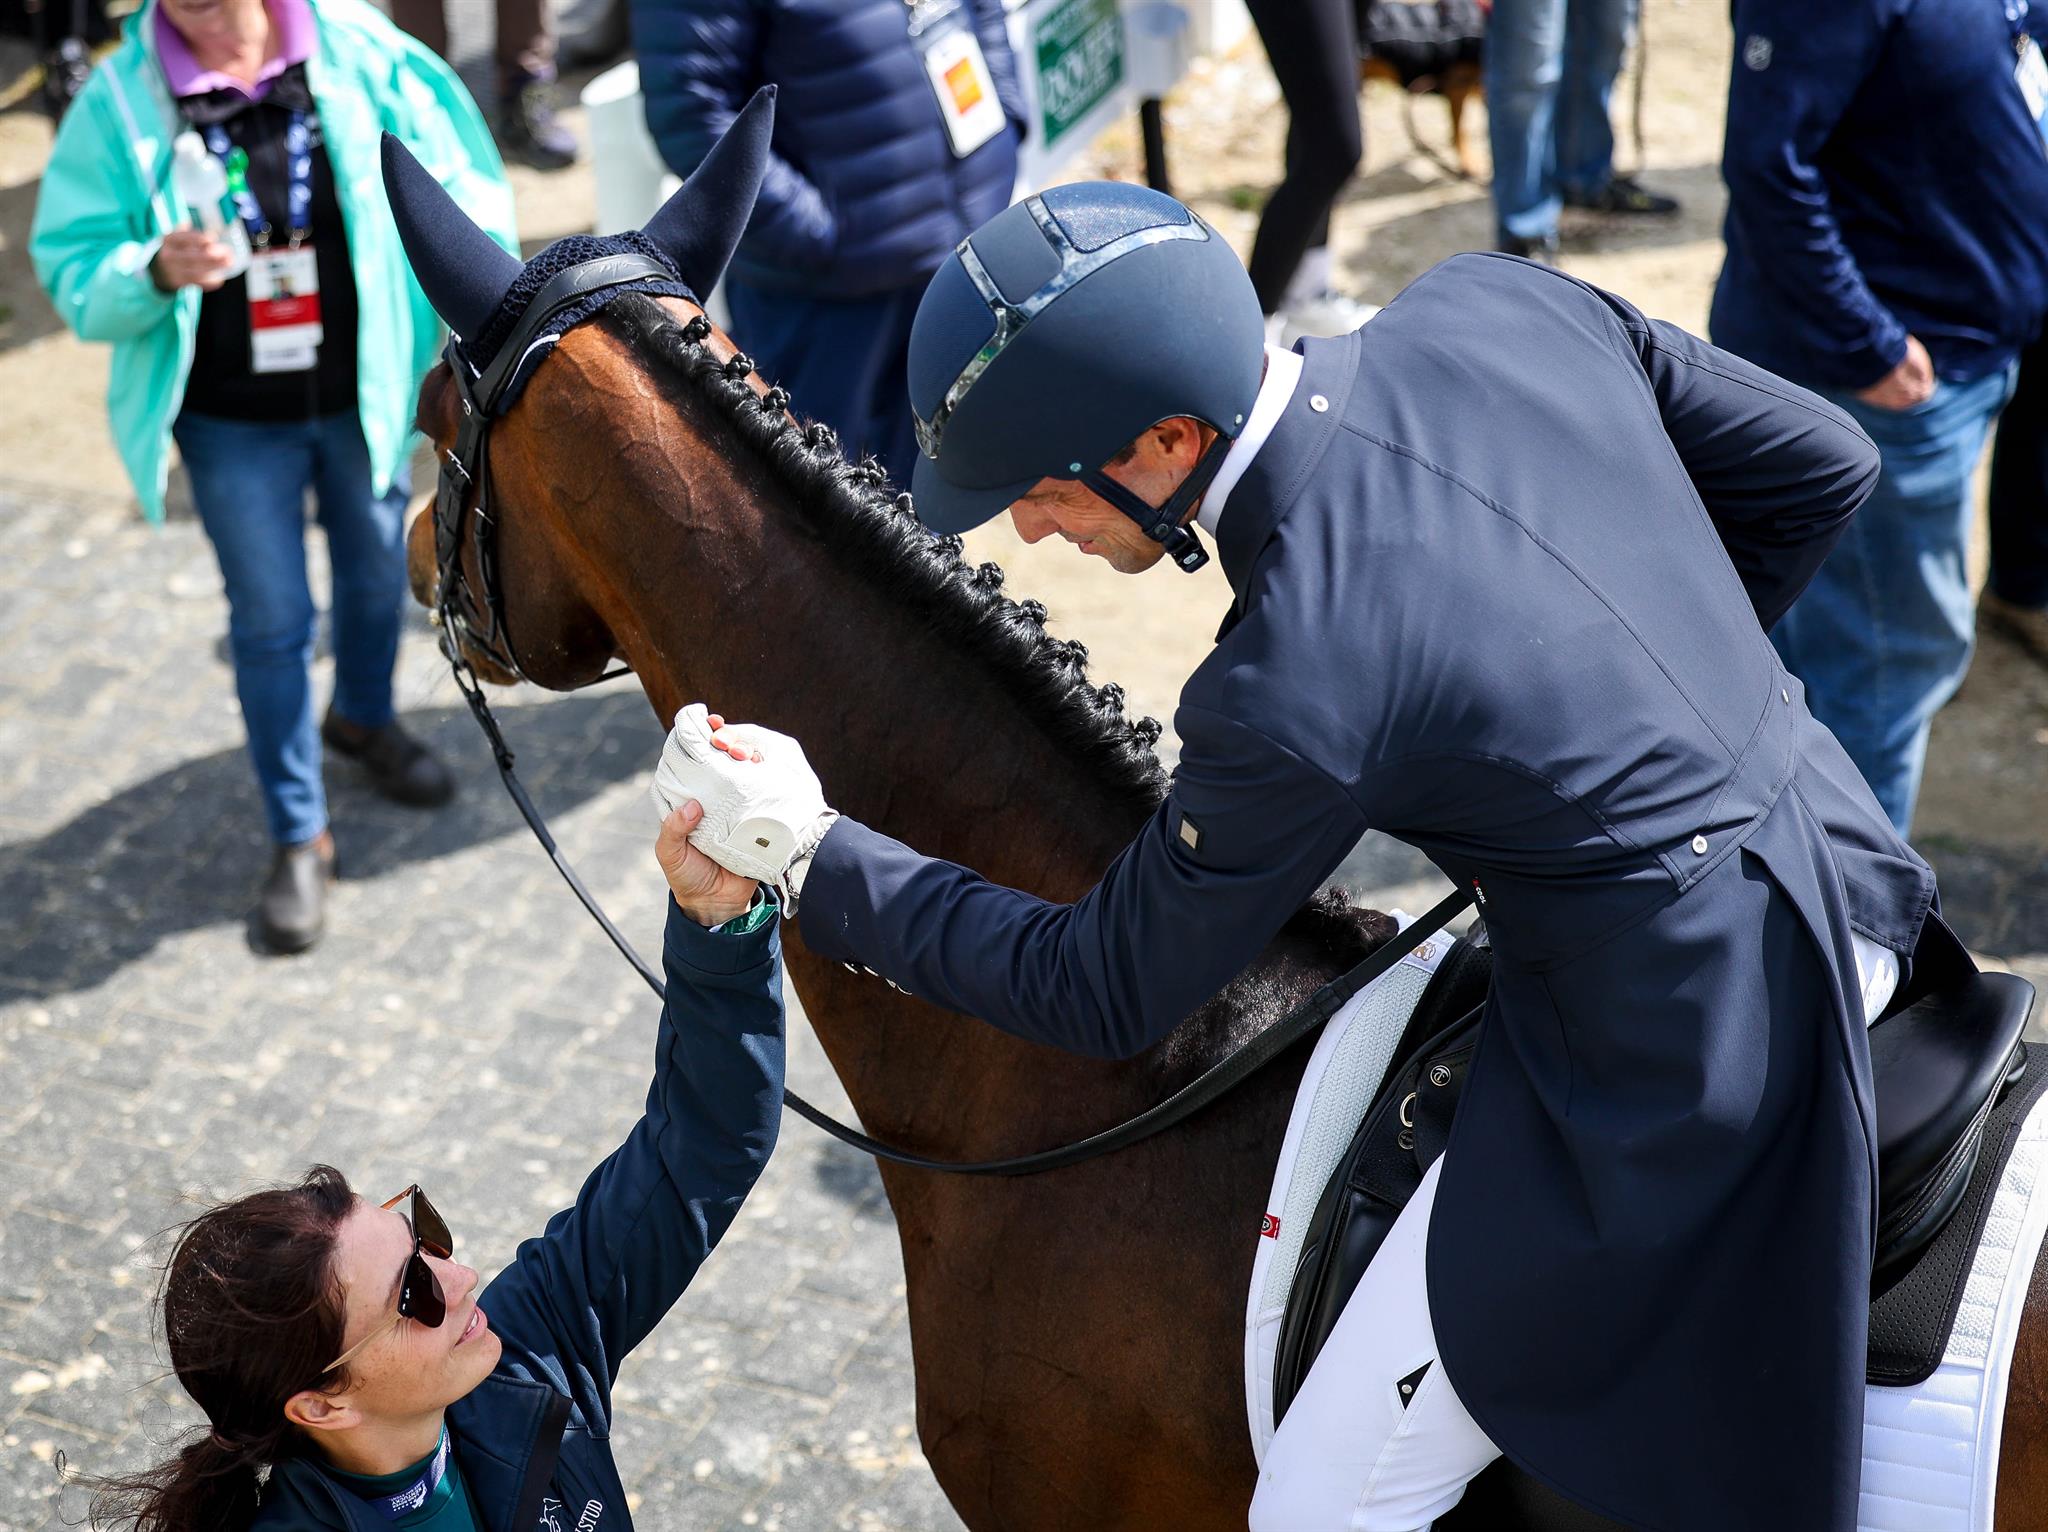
(252, 1310)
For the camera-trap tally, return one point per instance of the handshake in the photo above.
(762, 810)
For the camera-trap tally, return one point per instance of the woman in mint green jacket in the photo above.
(271, 391)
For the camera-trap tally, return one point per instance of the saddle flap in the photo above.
(1936, 1066)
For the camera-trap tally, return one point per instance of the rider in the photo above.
(1503, 562)
(337, 1347)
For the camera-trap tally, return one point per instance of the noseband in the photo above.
(462, 510)
(461, 617)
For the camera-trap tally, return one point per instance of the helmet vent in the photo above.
(1092, 216)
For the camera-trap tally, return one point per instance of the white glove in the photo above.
(761, 816)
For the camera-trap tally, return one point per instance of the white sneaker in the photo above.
(1331, 313)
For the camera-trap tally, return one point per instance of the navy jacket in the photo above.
(533, 1438)
(1883, 178)
(1534, 650)
(863, 193)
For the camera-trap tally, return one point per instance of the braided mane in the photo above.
(847, 506)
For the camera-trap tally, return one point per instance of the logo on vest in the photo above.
(1269, 1226)
(1756, 53)
(552, 1511)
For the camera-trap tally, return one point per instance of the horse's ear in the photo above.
(700, 226)
(462, 270)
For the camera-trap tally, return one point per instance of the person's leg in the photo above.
(526, 40)
(1596, 34)
(1376, 1441)
(2019, 488)
(528, 127)
(425, 19)
(249, 483)
(1524, 61)
(1313, 48)
(1882, 636)
(366, 549)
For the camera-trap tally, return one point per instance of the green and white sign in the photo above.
(1080, 52)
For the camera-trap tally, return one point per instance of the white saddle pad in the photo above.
(1930, 1452)
(1343, 1075)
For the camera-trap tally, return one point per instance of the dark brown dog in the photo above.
(1427, 47)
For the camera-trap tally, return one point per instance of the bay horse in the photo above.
(1077, 1336)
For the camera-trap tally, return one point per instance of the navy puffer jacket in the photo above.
(864, 193)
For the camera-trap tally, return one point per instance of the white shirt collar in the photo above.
(1283, 372)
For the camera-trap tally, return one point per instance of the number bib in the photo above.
(284, 310)
(966, 90)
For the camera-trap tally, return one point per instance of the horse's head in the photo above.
(493, 541)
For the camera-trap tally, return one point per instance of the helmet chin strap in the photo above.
(1163, 524)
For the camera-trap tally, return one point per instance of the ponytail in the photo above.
(209, 1484)
(251, 1313)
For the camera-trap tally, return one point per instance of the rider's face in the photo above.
(1159, 461)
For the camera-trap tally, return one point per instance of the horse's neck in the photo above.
(716, 592)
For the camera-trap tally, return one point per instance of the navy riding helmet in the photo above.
(1060, 331)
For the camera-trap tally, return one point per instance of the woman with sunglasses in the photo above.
(355, 1376)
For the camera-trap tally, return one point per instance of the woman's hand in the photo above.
(190, 258)
(705, 891)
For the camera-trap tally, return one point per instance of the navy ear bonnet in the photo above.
(551, 262)
(1060, 331)
(481, 290)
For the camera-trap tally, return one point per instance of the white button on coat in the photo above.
(1318, 402)
(1699, 845)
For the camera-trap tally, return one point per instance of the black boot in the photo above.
(1537, 247)
(1626, 195)
(399, 766)
(293, 910)
(528, 129)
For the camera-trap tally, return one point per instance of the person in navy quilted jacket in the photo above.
(895, 138)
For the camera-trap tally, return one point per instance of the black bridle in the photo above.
(463, 613)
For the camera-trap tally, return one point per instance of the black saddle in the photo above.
(1943, 1058)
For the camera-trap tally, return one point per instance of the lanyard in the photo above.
(420, 1491)
(298, 148)
(2016, 18)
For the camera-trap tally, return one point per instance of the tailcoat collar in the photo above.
(1274, 478)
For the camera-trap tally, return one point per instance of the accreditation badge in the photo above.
(2032, 74)
(284, 310)
(965, 88)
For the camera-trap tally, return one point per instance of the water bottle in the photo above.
(202, 184)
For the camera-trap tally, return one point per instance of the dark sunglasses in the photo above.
(419, 1291)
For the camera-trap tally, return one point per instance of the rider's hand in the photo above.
(706, 892)
(764, 810)
(190, 258)
(1909, 384)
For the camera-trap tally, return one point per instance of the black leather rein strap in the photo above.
(466, 468)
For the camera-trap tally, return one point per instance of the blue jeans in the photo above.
(1550, 68)
(1882, 636)
(249, 481)
(843, 361)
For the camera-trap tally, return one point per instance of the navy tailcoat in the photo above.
(1502, 575)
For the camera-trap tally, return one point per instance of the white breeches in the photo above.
(1353, 1453)
(1357, 1454)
